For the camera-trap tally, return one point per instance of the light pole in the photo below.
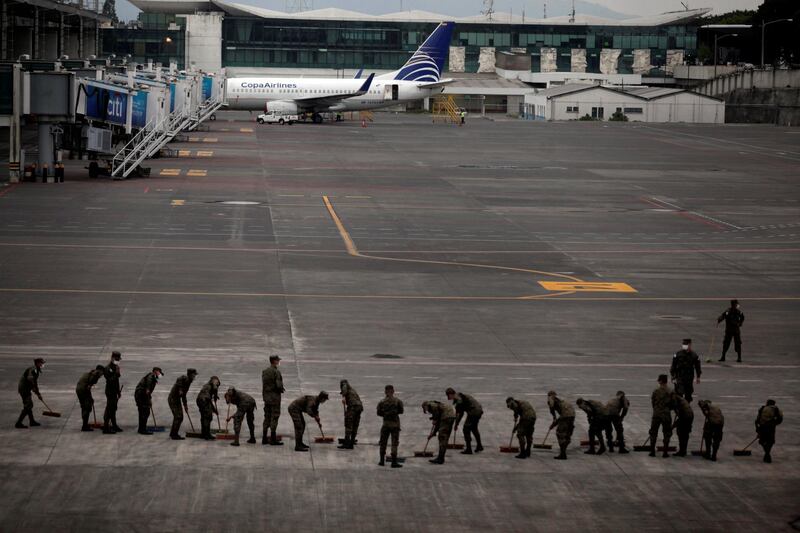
(763, 27)
(717, 38)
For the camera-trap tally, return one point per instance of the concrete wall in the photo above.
(674, 59)
(457, 59)
(578, 60)
(641, 61)
(763, 106)
(609, 59)
(486, 62)
(548, 60)
(749, 79)
(203, 41)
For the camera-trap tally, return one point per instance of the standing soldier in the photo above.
(390, 408)
(143, 394)
(443, 417)
(564, 423)
(661, 401)
(734, 318)
(597, 415)
(207, 403)
(177, 401)
(712, 429)
(29, 383)
(352, 414)
(84, 392)
(617, 408)
(685, 364)
(524, 422)
(684, 418)
(310, 406)
(769, 416)
(272, 388)
(245, 407)
(112, 374)
(464, 403)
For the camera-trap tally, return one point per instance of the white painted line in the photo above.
(424, 377)
(612, 379)
(749, 380)
(733, 396)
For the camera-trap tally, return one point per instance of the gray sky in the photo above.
(533, 8)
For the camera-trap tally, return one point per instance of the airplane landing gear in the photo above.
(316, 118)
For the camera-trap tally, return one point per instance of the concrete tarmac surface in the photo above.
(503, 258)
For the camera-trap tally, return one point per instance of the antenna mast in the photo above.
(297, 6)
(488, 9)
(572, 13)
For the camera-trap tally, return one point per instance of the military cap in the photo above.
(734, 303)
(191, 371)
(157, 369)
(509, 399)
(116, 355)
(687, 341)
(703, 403)
(450, 390)
(388, 388)
(552, 393)
(38, 361)
(579, 401)
(273, 358)
(662, 378)
(322, 395)
(100, 368)
(770, 402)
(620, 393)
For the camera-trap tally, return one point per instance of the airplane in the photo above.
(420, 77)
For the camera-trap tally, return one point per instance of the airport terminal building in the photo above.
(211, 34)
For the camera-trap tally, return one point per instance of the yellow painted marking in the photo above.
(170, 172)
(196, 172)
(246, 130)
(194, 139)
(225, 129)
(205, 153)
(211, 139)
(178, 202)
(184, 153)
(586, 286)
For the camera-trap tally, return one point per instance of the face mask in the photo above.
(685, 346)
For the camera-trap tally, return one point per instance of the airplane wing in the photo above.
(333, 99)
(434, 84)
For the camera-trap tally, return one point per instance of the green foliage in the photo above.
(586, 117)
(618, 116)
(739, 16)
(110, 10)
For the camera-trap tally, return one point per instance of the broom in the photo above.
(544, 446)
(223, 434)
(49, 412)
(323, 439)
(642, 447)
(155, 428)
(192, 434)
(219, 426)
(744, 452)
(510, 448)
(95, 424)
(425, 452)
(453, 445)
(699, 453)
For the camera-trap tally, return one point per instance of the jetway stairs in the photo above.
(444, 108)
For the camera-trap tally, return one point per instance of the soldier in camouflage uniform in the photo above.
(564, 423)
(352, 414)
(684, 418)
(113, 391)
(617, 408)
(443, 416)
(466, 404)
(712, 429)
(245, 408)
(84, 391)
(524, 422)
(177, 401)
(272, 388)
(29, 383)
(661, 400)
(685, 364)
(733, 318)
(207, 403)
(143, 394)
(597, 416)
(310, 406)
(769, 416)
(390, 409)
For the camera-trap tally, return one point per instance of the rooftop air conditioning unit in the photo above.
(99, 140)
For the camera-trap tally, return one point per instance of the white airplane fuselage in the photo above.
(256, 93)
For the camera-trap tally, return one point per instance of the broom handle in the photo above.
(155, 424)
(45, 404)
(426, 444)
(320, 429)
(751, 443)
(547, 435)
(190, 420)
(227, 418)
(512, 435)
(219, 426)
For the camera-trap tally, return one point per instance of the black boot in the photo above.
(527, 450)
(33, 423)
(611, 446)
(19, 424)
(345, 443)
(622, 448)
(478, 445)
(602, 449)
(252, 439)
(652, 450)
(739, 358)
(563, 455)
(382, 462)
(114, 425)
(395, 464)
(467, 448)
(666, 448)
(264, 439)
(273, 441)
(439, 460)
(521, 455)
(301, 447)
(176, 437)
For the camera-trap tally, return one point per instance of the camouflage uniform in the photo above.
(28, 383)
(564, 423)
(661, 400)
(177, 402)
(443, 416)
(390, 409)
(733, 318)
(271, 388)
(206, 402)
(144, 402)
(617, 408)
(524, 421)
(304, 404)
(352, 414)
(112, 374)
(466, 404)
(684, 418)
(245, 408)
(712, 429)
(769, 416)
(597, 415)
(84, 391)
(685, 364)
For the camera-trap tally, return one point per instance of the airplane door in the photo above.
(391, 92)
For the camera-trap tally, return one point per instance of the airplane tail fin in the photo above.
(427, 63)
